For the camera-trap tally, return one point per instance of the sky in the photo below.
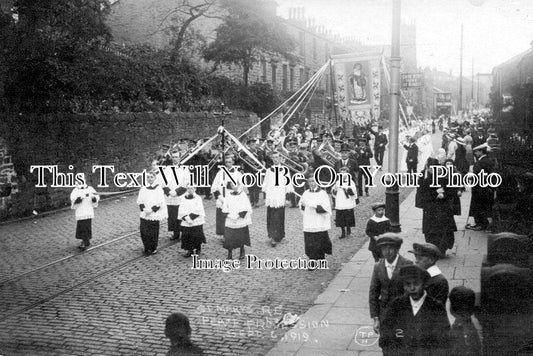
(494, 30)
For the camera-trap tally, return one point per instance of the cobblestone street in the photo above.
(111, 300)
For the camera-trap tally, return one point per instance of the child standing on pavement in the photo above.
(415, 323)
(192, 216)
(377, 225)
(464, 336)
(83, 200)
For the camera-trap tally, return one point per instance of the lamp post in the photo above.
(460, 99)
(392, 193)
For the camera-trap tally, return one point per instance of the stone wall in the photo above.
(128, 141)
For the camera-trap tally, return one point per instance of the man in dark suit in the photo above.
(482, 197)
(364, 153)
(346, 161)
(478, 138)
(426, 256)
(415, 323)
(412, 155)
(385, 284)
(380, 144)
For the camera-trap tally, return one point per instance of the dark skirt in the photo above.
(344, 218)
(150, 234)
(192, 237)
(438, 218)
(84, 229)
(276, 223)
(173, 223)
(481, 201)
(220, 222)
(149, 228)
(236, 238)
(317, 244)
(444, 240)
(456, 205)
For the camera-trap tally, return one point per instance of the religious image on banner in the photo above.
(358, 82)
(357, 87)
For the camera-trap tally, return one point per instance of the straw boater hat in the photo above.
(460, 141)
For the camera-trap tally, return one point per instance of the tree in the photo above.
(180, 27)
(247, 32)
(48, 35)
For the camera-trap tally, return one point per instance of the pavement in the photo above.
(339, 323)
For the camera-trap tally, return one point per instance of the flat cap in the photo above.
(426, 249)
(389, 238)
(378, 205)
(413, 271)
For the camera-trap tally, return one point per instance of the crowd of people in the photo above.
(303, 150)
(403, 295)
(408, 304)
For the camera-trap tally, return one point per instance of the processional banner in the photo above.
(358, 86)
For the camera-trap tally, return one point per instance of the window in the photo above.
(273, 76)
(264, 71)
(302, 81)
(314, 48)
(291, 79)
(302, 44)
(284, 79)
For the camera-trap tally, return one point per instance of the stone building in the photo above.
(145, 21)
